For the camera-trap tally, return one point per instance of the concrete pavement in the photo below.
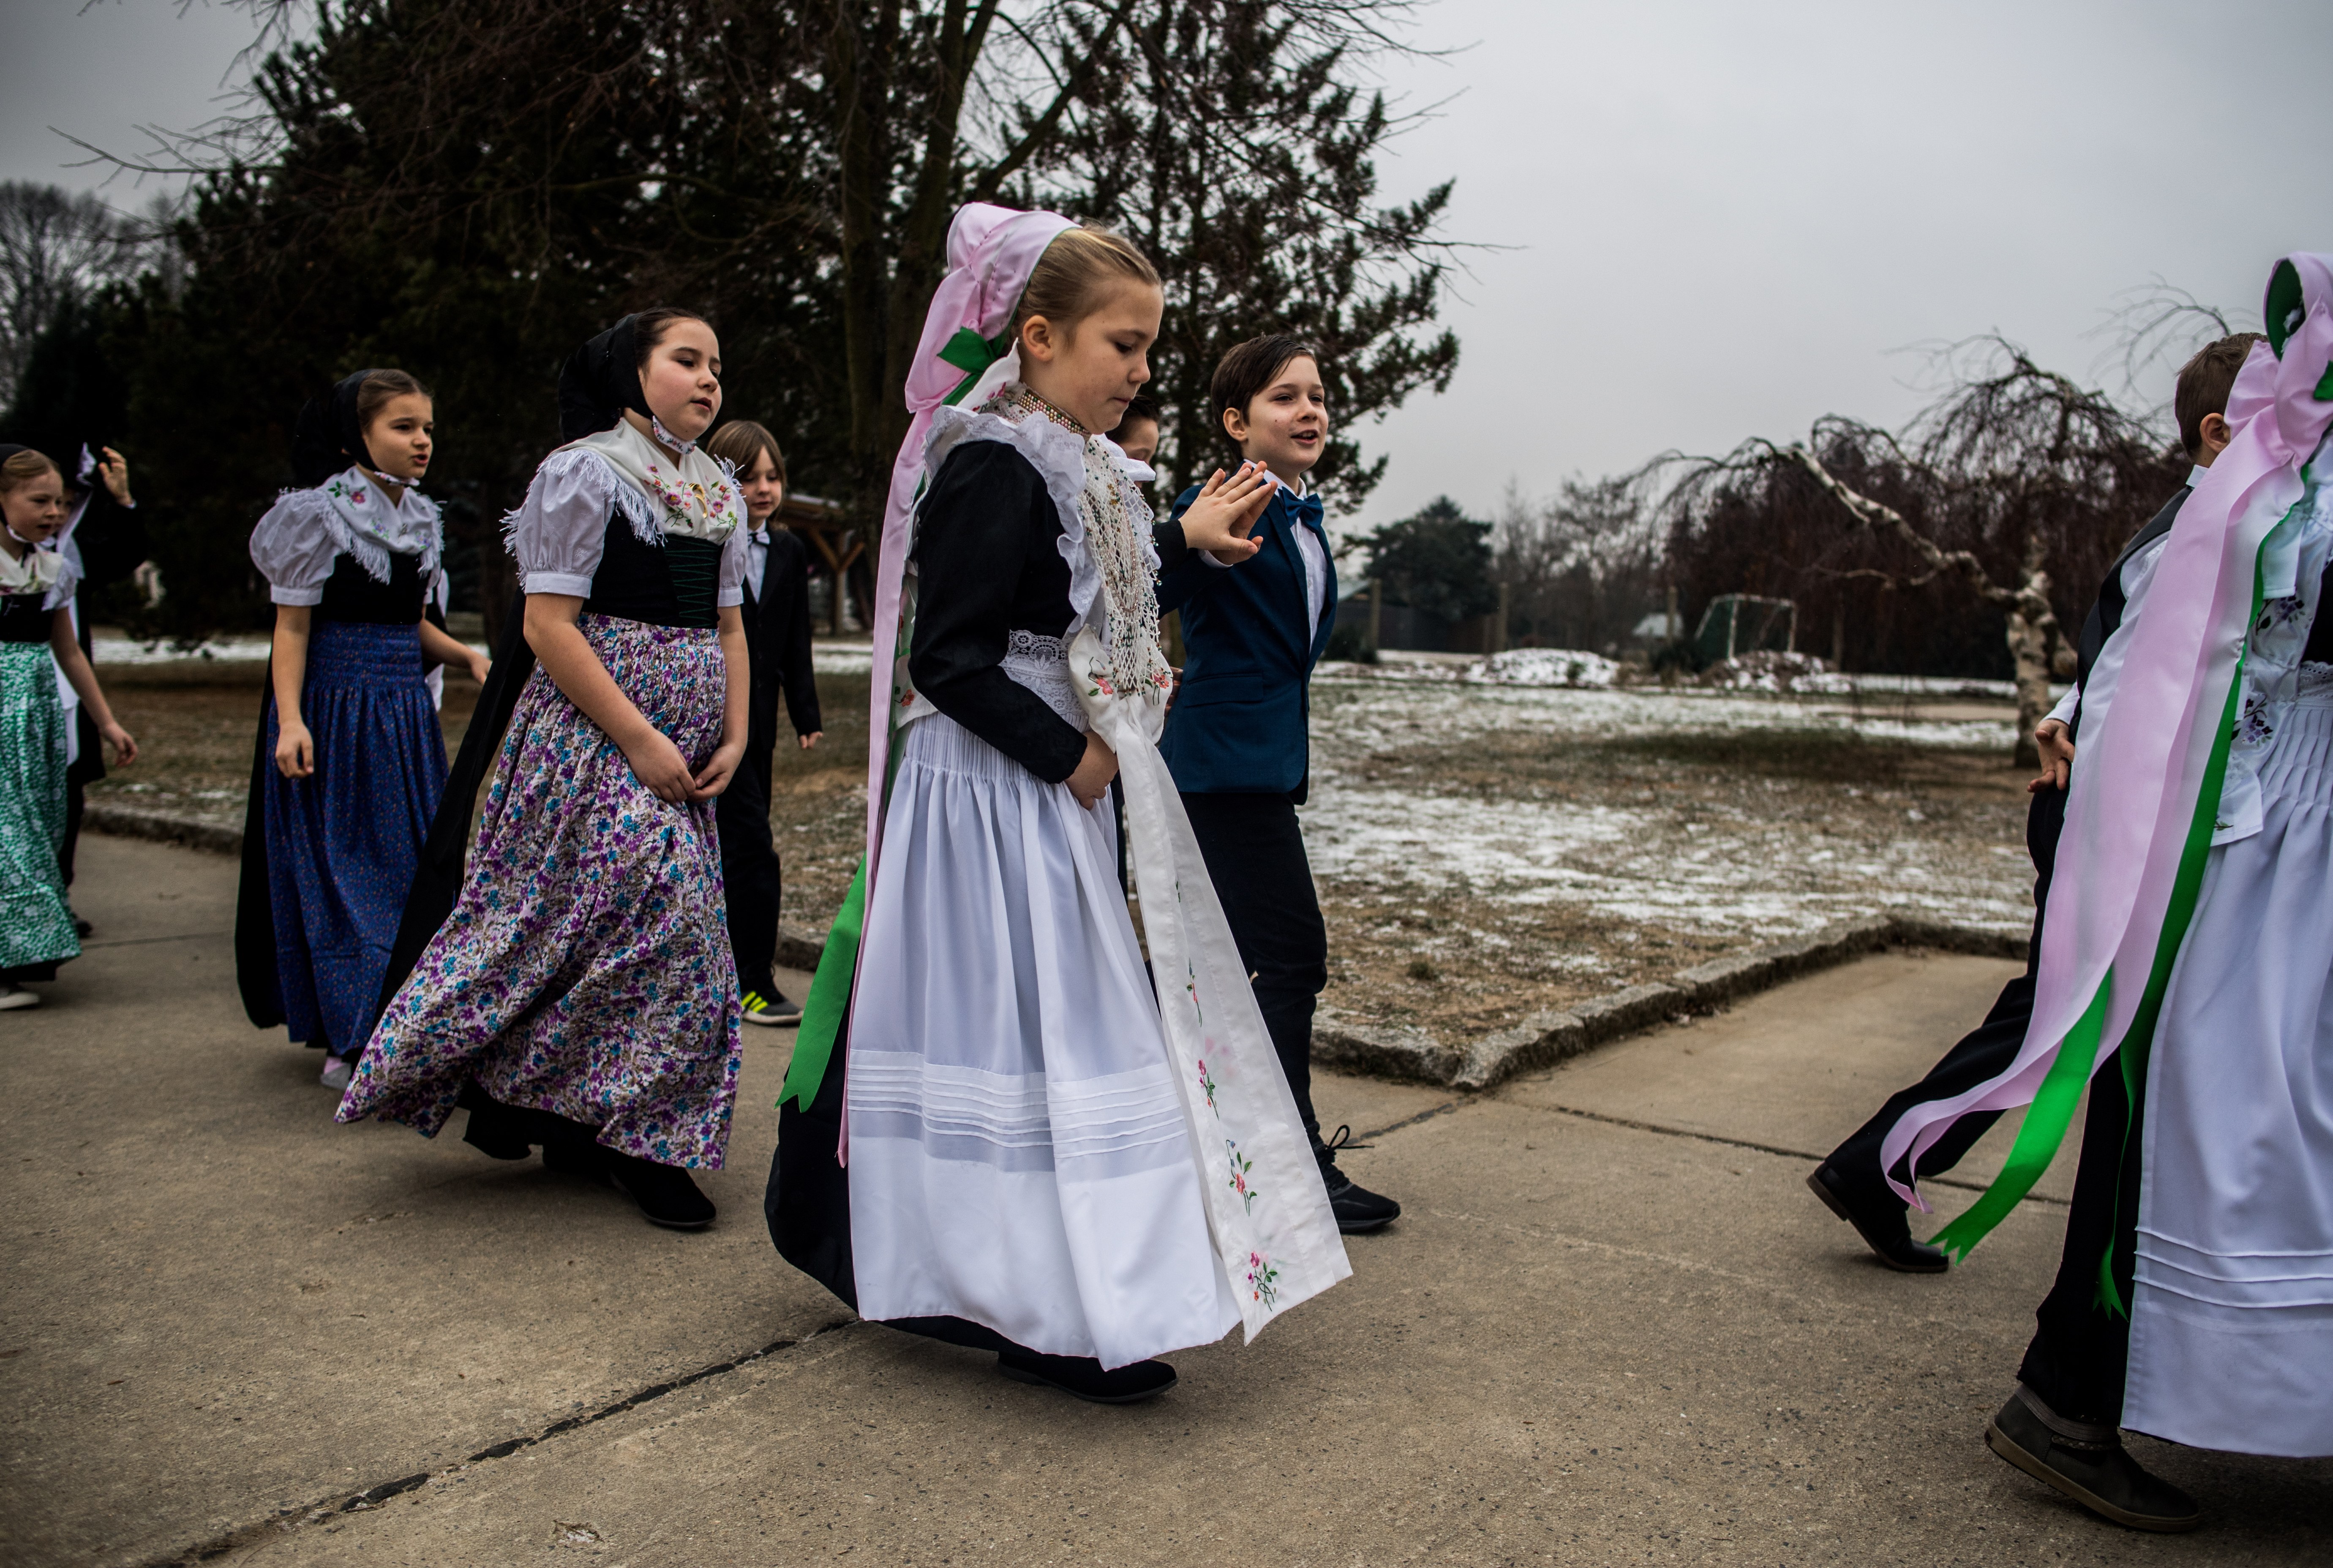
(1612, 1327)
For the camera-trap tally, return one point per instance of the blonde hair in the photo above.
(741, 440)
(22, 468)
(1069, 281)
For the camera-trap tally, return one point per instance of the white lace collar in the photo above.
(692, 496)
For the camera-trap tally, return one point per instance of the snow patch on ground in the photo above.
(1715, 868)
(1570, 668)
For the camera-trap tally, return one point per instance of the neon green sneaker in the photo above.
(770, 1011)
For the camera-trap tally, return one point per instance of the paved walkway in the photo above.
(1612, 1326)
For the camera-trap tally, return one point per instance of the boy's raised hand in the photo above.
(1218, 519)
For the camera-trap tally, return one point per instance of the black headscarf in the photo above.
(602, 378)
(329, 436)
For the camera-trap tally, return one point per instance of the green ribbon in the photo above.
(829, 999)
(2046, 1121)
(972, 354)
(2052, 1111)
(2186, 888)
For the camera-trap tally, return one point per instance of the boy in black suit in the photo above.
(1237, 737)
(777, 649)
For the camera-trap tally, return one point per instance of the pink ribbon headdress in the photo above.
(2145, 790)
(991, 251)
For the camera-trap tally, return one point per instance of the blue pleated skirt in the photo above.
(344, 842)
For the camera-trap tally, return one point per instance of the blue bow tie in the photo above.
(1302, 509)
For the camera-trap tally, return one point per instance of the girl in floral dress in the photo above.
(580, 995)
(349, 761)
(36, 928)
(1045, 1157)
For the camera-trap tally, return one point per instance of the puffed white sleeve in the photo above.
(560, 530)
(292, 547)
(732, 590)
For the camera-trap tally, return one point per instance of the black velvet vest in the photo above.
(673, 584)
(21, 618)
(351, 595)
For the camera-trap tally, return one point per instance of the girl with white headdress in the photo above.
(571, 982)
(1001, 1135)
(349, 759)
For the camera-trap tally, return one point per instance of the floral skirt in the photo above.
(585, 970)
(342, 843)
(36, 929)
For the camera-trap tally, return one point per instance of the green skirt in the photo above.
(36, 929)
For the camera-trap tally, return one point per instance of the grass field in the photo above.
(1482, 852)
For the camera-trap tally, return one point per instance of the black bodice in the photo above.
(674, 584)
(21, 618)
(2319, 650)
(351, 595)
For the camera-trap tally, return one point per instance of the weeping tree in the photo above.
(465, 191)
(1583, 566)
(2013, 492)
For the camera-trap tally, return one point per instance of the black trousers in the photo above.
(749, 869)
(2081, 1344)
(1254, 852)
(1986, 1050)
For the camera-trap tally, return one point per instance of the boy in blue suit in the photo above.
(1236, 740)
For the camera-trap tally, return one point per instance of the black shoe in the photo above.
(588, 1160)
(1083, 1377)
(83, 928)
(664, 1193)
(1879, 1219)
(770, 1008)
(1358, 1210)
(2089, 1465)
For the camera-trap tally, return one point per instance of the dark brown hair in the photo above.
(1242, 375)
(1069, 280)
(741, 440)
(2205, 383)
(378, 390)
(20, 468)
(649, 326)
(1143, 407)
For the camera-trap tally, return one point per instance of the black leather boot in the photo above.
(2087, 1462)
(1878, 1216)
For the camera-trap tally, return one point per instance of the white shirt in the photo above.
(1315, 559)
(757, 560)
(2137, 574)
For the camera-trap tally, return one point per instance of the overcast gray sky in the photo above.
(1722, 219)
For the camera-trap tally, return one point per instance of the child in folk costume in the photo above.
(1043, 1158)
(348, 759)
(2190, 939)
(37, 642)
(580, 996)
